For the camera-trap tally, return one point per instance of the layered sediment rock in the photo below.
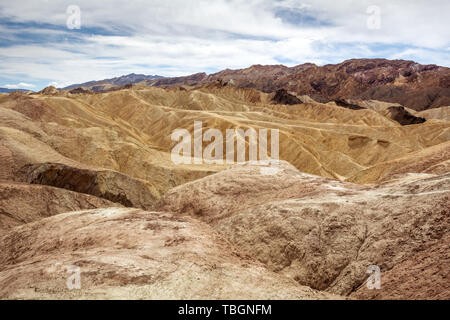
(106, 184)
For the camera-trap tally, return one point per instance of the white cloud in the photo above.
(181, 37)
(421, 22)
(57, 84)
(21, 85)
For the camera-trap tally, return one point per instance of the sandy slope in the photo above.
(129, 131)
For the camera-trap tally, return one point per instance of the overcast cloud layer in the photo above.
(173, 38)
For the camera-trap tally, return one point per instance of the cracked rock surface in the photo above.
(125, 253)
(320, 232)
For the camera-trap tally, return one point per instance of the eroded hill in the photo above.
(309, 229)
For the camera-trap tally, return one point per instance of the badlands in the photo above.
(87, 180)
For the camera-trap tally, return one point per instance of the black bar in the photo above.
(236, 309)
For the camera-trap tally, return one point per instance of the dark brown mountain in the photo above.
(113, 83)
(264, 78)
(416, 86)
(190, 80)
(413, 85)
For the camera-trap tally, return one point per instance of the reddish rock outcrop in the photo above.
(422, 276)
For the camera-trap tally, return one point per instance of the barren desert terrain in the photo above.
(87, 180)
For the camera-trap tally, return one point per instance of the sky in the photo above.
(57, 42)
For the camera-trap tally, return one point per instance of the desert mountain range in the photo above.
(408, 83)
(87, 180)
(6, 90)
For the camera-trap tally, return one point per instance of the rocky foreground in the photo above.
(134, 254)
(86, 182)
(323, 233)
(241, 234)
